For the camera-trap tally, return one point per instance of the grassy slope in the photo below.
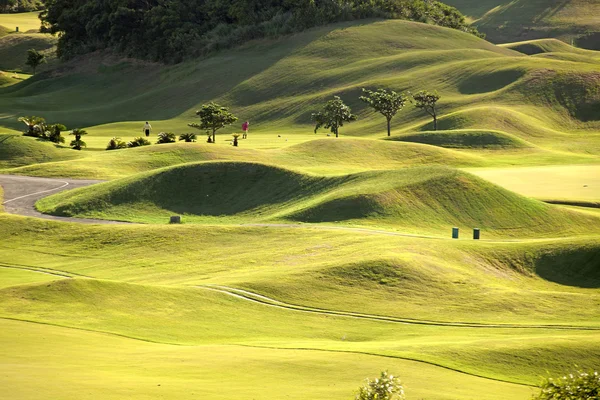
(16, 151)
(510, 21)
(13, 50)
(303, 267)
(175, 372)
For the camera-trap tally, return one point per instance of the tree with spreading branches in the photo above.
(427, 101)
(387, 103)
(333, 116)
(212, 118)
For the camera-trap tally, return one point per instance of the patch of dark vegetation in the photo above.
(176, 30)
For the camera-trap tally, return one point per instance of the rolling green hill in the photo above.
(510, 21)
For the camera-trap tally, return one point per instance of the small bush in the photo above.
(115, 144)
(77, 144)
(137, 142)
(579, 385)
(166, 137)
(187, 137)
(386, 387)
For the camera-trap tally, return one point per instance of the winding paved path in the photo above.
(22, 192)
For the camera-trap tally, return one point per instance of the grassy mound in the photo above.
(16, 151)
(575, 92)
(464, 139)
(540, 46)
(427, 199)
(13, 49)
(4, 31)
(439, 198)
(205, 189)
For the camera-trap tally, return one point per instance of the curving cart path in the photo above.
(22, 192)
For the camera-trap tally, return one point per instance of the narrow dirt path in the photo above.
(22, 192)
(258, 298)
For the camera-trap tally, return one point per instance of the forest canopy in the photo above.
(173, 30)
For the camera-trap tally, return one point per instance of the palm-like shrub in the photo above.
(78, 144)
(187, 137)
(33, 125)
(386, 387)
(138, 141)
(166, 137)
(115, 144)
(579, 385)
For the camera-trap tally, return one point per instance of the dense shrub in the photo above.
(175, 30)
(138, 141)
(115, 144)
(576, 386)
(166, 137)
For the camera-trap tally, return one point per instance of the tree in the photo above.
(115, 144)
(35, 59)
(386, 387)
(32, 123)
(427, 101)
(213, 117)
(166, 137)
(333, 116)
(187, 137)
(579, 385)
(78, 144)
(386, 103)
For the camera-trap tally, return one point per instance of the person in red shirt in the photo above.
(245, 127)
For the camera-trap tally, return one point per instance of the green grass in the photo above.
(25, 21)
(555, 183)
(175, 372)
(525, 123)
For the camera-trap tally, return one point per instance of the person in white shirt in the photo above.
(147, 129)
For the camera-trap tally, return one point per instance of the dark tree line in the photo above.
(11, 6)
(173, 30)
